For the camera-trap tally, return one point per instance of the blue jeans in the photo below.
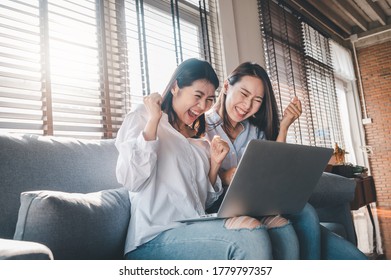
(335, 247)
(285, 244)
(317, 242)
(206, 240)
(307, 228)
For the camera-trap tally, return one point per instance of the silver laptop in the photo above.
(272, 178)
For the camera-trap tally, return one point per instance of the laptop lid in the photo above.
(274, 178)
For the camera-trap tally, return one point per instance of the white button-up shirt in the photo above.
(167, 178)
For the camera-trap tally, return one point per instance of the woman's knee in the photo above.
(247, 239)
(274, 221)
(284, 242)
(307, 216)
(310, 213)
(242, 222)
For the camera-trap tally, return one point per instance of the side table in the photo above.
(364, 195)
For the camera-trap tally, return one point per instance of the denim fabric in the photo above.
(284, 240)
(335, 247)
(317, 242)
(307, 228)
(206, 240)
(285, 244)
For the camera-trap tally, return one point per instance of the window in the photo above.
(20, 67)
(299, 63)
(321, 88)
(168, 33)
(72, 70)
(75, 67)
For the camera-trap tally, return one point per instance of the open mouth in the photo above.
(241, 113)
(193, 115)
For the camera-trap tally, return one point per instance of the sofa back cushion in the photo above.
(76, 226)
(32, 162)
(332, 190)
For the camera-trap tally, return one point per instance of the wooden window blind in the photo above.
(299, 64)
(21, 77)
(161, 34)
(75, 67)
(321, 88)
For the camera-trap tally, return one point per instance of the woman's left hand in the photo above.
(291, 113)
(218, 150)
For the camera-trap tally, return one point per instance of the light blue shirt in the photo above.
(214, 126)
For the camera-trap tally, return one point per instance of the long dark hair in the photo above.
(266, 118)
(185, 74)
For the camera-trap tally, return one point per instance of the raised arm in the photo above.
(136, 143)
(153, 104)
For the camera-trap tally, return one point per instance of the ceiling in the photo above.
(345, 18)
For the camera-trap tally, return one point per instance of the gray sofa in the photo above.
(60, 199)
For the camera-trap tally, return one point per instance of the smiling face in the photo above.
(244, 98)
(192, 101)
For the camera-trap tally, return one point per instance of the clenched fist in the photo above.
(153, 104)
(218, 149)
(291, 113)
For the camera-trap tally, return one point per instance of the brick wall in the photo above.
(375, 68)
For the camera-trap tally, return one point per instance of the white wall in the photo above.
(241, 33)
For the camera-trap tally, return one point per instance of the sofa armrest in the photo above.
(332, 190)
(23, 250)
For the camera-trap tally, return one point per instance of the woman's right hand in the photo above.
(153, 104)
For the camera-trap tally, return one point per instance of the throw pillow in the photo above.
(75, 225)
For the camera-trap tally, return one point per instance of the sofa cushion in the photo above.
(75, 225)
(31, 162)
(332, 190)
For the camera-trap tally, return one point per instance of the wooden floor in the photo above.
(384, 216)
